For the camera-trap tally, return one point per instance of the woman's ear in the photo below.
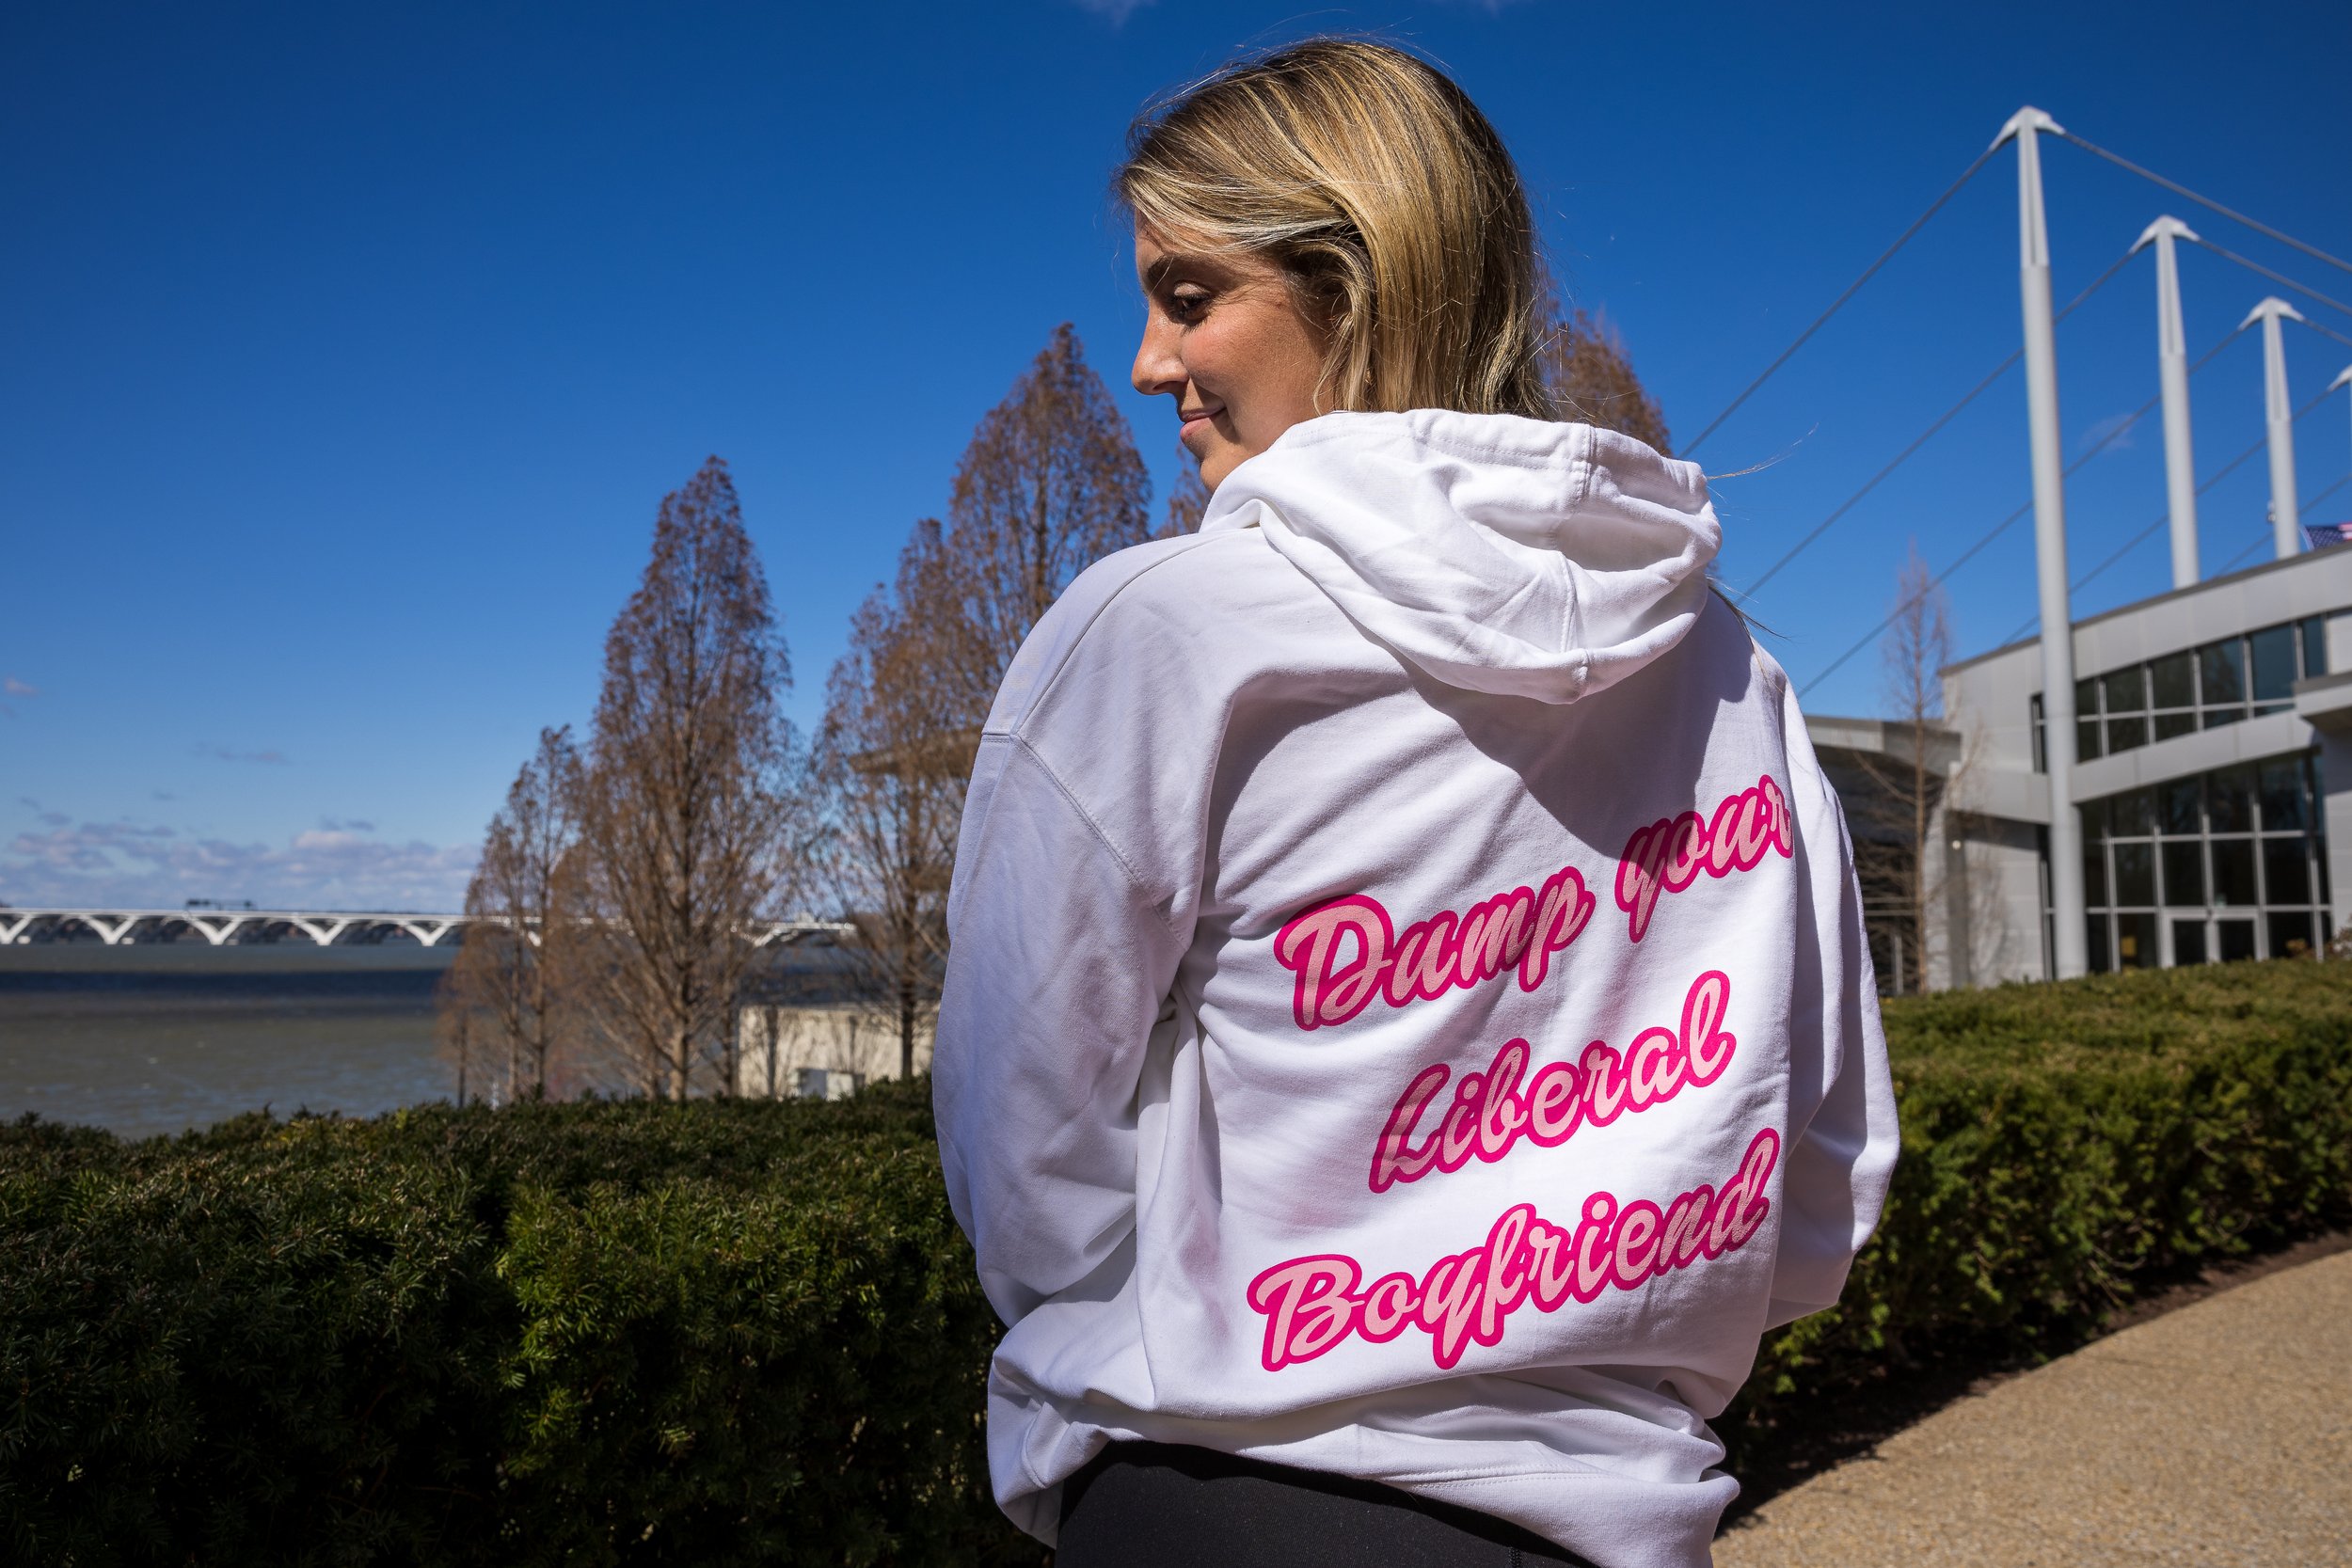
(1324, 303)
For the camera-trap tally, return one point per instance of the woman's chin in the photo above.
(1216, 455)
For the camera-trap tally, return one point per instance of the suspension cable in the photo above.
(1966, 556)
(2144, 534)
(1924, 436)
(2006, 523)
(2259, 543)
(2139, 539)
(1851, 288)
(2277, 277)
(2207, 202)
(1932, 583)
(2329, 332)
(1849, 503)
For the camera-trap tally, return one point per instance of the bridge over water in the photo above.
(238, 927)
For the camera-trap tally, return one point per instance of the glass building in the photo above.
(2220, 865)
(2213, 781)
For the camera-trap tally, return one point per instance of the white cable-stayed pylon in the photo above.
(2286, 523)
(2070, 936)
(2179, 459)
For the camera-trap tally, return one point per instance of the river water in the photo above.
(162, 1038)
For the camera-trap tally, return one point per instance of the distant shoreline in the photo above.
(190, 958)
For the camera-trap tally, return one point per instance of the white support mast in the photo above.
(2286, 522)
(2070, 949)
(2179, 461)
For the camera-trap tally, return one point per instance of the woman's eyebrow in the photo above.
(1154, 275)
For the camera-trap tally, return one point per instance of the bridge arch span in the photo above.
(239, 924)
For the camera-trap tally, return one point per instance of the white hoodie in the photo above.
(1407, 1013)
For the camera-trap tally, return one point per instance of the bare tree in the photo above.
(1189, 500)
(1050, 484)
(504, 979)
(1899, 861)
(893, 755)
(1592, 380)
(458, 1013)
(691, 796)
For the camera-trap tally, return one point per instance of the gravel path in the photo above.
(2220, 1434)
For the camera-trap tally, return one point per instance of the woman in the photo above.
(1408, 1030)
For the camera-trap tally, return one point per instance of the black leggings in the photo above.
(1164, 1505)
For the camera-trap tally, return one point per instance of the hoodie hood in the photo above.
(1496, 553)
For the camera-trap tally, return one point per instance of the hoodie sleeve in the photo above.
(1056, 968)
(1842, 1136)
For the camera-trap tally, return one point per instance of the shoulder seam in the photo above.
(1053, 678)
(1126, 867)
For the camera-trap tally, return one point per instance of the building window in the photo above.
(2087, 732)
(2172, 694)
(2224, 865)
(2274, 650)
(2124, 694)
(2221, 681)
(2195, 689)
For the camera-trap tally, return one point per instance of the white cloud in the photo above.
(11, 687)
(96, 864)
(2115, 430)
(1115, 11)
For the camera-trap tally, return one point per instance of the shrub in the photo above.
(742, 1332)
(714, 1333)
(2066, 1147)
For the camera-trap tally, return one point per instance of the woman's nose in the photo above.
(1158, 369)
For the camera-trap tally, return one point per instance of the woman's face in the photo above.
(1223, 337)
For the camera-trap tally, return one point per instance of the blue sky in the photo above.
(348, 351)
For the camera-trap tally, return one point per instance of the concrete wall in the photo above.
(1993, 693)
(2326, 704)
(2335, 763)
(1991, 920)
(837, 1039)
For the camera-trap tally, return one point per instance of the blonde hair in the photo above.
(1387, 198)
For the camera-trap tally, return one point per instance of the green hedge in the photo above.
(2067, 1146)
(728, 1333)
(582, 1334)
